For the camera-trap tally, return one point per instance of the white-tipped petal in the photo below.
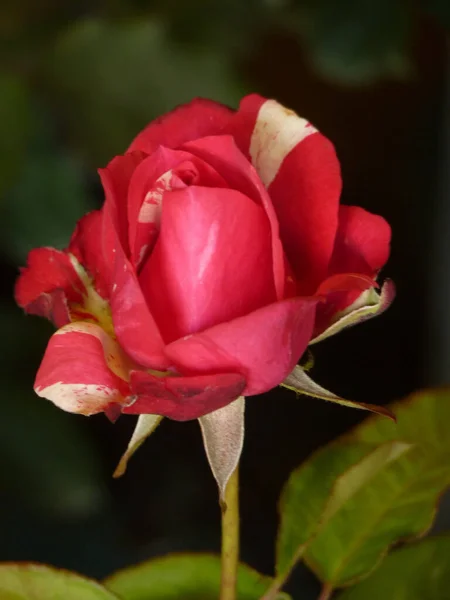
(223, 438)
(146, 424)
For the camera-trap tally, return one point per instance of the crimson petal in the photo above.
(300, 168)
(264, 345)
(47, 283)
(212, 261)
(83, 370)
(182, 398)
(191, 121)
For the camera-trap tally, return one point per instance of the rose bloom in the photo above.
(219, 255)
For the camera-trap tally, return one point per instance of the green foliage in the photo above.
(354, 42)
(15, 126)
(44, 205)
(191, 577)
(417, 572)
(111, 78)
(345, 506)
(37, 582)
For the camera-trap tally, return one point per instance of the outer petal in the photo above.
(133, 322)
(361, 246)
(183, 398)
(87, 247)
(223, 438)
(115, 179)
(187, 122)
(264, 345)
(300, 382)
(300, 169)
(222, 153)
(47, 283)
(83, 370)
(362, 242)
(212, 261)
(146, 425)
(368, 304)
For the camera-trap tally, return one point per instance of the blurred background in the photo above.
(77, 82)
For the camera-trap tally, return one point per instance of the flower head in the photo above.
(219, 254)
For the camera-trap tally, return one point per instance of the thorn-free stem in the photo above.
(326, 592)
(230, 538)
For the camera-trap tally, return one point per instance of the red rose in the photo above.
(220, 253)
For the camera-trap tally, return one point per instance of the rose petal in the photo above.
(47, 283)
(298, 381)
(212, 261)
(362, 242)
(223, 438)
(134, 324)
(300, 168)
(115, 178)
(146, 424)
(264, 345)
(163, 171)
(191, 121)
(222, 153)
(369, 304)
(87, 247)
(83, 370)
(183, 398)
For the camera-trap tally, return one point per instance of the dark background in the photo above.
(76, 84)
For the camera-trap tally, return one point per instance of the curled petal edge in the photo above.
(223, 438)
(369, 304)
(298, 381)
(145, 426)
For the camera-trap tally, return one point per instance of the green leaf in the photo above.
(112, 78)
(15, 127)
(44, 206)
(354, 42)
(353, 504)
(38, 582)
(190, 577)
(316, 491)
(418, 572)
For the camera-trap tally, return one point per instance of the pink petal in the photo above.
(115, 179)
(300, 169)
(362, 242)
(134, 324)
(222, 153)
(187, 122)
(361, 246)
(264, 345)
(47, 284)
(212, 261)
(83, 370)
(330, 321)
(165, 170)
(183, 398)
(87, 247)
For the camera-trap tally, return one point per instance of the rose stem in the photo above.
(326, 592)
(230, 538)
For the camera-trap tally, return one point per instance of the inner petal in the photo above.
(211, 263)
